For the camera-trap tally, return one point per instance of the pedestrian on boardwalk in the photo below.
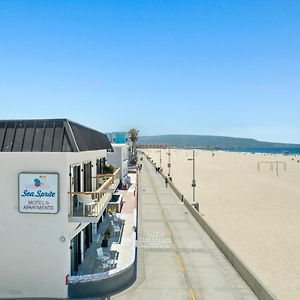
(166, 181)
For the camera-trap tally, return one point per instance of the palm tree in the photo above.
(133, 136)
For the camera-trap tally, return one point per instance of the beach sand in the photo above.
(256, 212)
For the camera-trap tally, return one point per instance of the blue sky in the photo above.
(200, 67)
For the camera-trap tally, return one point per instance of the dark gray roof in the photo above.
(54, 135)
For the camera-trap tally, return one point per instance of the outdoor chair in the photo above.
(108, 264)
(116, 228)
(105, 260)
(101, 255)
(115, 218)
(86, 200)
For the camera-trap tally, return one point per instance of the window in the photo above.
(87, 176)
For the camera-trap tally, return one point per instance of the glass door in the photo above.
(87, 176)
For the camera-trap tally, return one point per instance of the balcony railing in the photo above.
(92, 203)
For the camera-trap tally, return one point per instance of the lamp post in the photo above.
(194, 180)
(160, 158)
(169, 163)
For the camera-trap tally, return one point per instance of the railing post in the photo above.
(71, 205)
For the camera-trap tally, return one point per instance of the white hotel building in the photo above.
(45, 226)
(119, 158)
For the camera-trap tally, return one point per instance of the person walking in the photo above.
(166, 182)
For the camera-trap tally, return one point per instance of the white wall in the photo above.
(33, 261)
(119, 158)
(32, 257)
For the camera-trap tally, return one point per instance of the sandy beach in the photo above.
(256, 212)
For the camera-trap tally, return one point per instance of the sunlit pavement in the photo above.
(175, 257)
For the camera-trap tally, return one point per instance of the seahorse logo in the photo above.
(39, 181)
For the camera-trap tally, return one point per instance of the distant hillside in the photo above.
(205, 141)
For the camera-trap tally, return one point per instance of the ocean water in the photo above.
(271, 150)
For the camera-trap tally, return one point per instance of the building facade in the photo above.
(52, 201)
(119, 158)
(118, 137)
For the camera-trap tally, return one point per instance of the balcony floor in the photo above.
(90, 264)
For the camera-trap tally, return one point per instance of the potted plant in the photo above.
(108, 169)
(104, 242)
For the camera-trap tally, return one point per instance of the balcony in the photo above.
(89, 206)
(93, 279)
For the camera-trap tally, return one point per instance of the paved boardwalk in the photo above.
(175, 258)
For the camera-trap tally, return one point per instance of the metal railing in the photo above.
(91, 203)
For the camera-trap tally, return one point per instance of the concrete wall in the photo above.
(33, 260)
(104, 287)
(249, 277)
(105, 283)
